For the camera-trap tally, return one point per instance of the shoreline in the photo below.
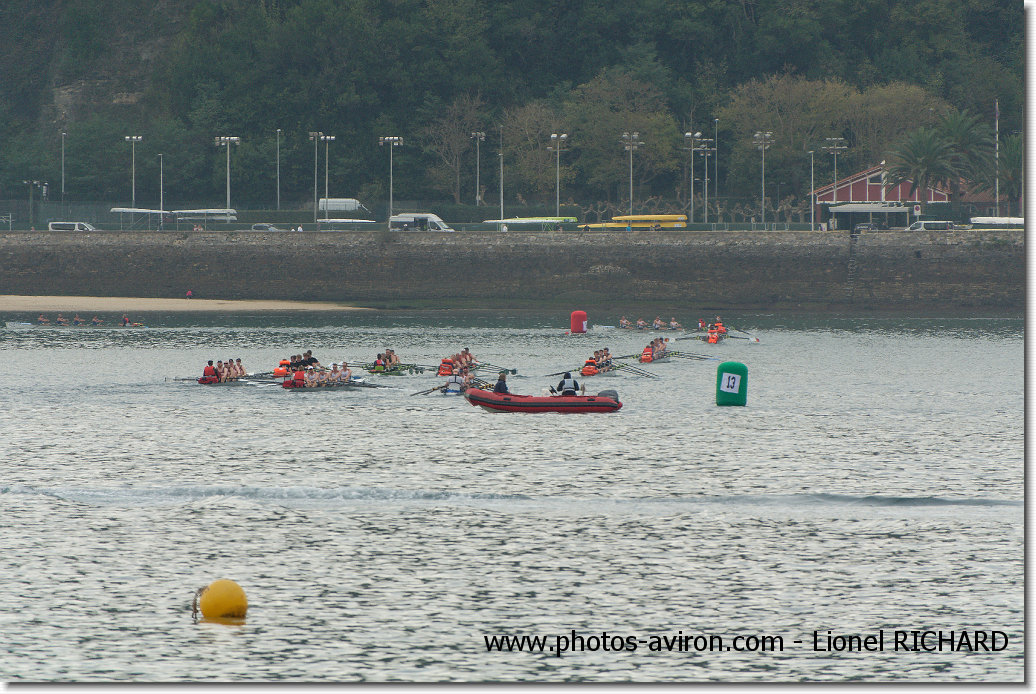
(119, 304)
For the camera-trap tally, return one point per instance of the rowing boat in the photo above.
(605, 401)
(23, 325)
(355, 382)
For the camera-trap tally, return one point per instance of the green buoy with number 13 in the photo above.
(732, 384)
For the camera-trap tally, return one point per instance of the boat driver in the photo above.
(568, 385)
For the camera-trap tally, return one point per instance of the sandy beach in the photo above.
(118, 304)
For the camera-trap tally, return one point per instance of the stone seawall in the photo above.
(731, 269)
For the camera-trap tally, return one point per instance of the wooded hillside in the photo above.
(435, 71)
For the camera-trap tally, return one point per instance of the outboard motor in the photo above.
(613, 394)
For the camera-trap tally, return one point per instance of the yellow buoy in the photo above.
(223, 599)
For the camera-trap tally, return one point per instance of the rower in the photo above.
(657, 324)
(321, 377)
(391, 360)
(125, 320)
(719, 326)
(240, 369)
(624, 323)
(61, 320)
(311, 377)
(641, 324)
(568, 385)
(455, 383)
(347, 373)
(673, 325)
(43, 320)
(96, 320)
(77, 320)
(221, 371)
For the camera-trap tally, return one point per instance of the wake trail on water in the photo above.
(346, 497)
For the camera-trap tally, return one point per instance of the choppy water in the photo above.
(874, 481)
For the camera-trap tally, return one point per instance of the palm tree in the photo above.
(925, 158)
(972, 143)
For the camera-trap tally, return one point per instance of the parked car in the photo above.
(266, 227)
(70, 226)
(930, 226)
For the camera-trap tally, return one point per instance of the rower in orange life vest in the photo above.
(714, 335)
(719, 326)
(208, 375)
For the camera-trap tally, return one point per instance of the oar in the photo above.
(497, 368)
(750, 336)
(636, 370)
(561, 373)
(430, 390)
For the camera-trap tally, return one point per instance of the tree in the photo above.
(925, 159)
(971, 141)
(530, 167)
(448, 138)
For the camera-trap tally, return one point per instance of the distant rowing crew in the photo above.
(657, 324)
(599, 363)
(656, 350)
(76, 320)
(222, 372)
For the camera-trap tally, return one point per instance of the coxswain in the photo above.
(208, 374)
(96, 320)
(379, 364)
(568, 385)
(590, 366)
(445, 367)
(713, 335)
(43, 320)
(501, 383)
(673, 325)
(624, 323)
(298, 377)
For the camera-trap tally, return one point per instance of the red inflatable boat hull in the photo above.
(504, 402)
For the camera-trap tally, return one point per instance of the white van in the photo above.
(930, 226)
(71, 226)
(418, 221)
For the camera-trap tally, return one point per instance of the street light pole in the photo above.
(133, 140)
(479, 138)
(706, 151)
(812, 195)
(631, 141)
(161, 191)
(501, 155)
(392, 141)
(278, 168)
(226, 141)
(690, 137)
(715, 150)
(557, 145)
(315, 136)
(762, 141)
(63, 169)
(834, 146)
(327, 139)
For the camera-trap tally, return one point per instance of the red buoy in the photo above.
(578, 322)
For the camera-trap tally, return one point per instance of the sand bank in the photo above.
(116, 304)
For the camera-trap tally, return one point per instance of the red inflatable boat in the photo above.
(605, 401)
